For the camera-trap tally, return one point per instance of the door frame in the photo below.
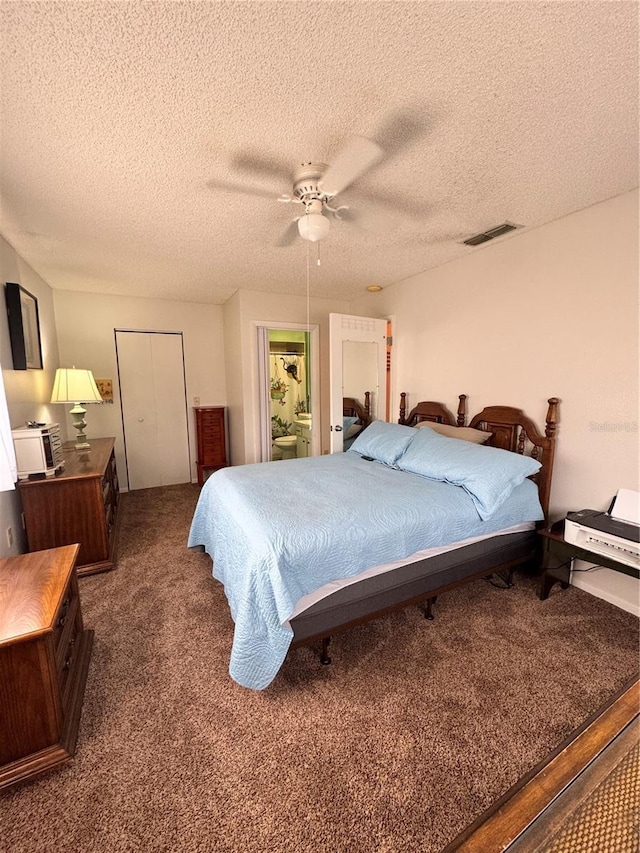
(261, 383)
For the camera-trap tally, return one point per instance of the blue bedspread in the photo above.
(277, 531)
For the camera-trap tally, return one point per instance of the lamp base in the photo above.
(79, 423)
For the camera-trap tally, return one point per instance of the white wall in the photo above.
(86, 324)
(28, 391)
(547, 312)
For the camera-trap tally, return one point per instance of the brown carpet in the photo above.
(406, 738)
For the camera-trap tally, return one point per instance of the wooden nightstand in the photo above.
(44, 660)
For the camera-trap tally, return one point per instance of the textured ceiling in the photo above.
(124, 123)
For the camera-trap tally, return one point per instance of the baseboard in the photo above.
(605, 588)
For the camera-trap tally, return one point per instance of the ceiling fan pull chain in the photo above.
(318, 245)
(308, 288)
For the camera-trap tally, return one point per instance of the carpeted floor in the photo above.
(406, 738)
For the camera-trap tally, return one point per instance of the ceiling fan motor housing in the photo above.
(306, 183)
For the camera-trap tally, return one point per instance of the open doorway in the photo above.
(288, 392)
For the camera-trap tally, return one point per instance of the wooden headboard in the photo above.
(430, 411)
(510, 430)
(352, 408)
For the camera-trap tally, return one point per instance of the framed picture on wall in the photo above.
(24, 327)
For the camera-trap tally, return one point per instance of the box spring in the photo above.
(412, 583)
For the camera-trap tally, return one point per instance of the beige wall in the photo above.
(234, 347)
(548, 312)
(28, 391)
(86, 323)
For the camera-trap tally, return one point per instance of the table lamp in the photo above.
(77, 386)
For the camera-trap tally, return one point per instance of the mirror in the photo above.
(360, 372)
(358, 358)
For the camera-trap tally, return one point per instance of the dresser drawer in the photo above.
(69, 659)
(212, 431)
(63, 623)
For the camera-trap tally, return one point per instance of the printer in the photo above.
(614, 534)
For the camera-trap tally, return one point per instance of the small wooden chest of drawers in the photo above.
(211, 433)
(44, 660)
(78, 504)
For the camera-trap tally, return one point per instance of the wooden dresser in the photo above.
(44, 660)
(78, 504)
(211, 435)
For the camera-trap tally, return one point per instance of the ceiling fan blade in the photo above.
(256, 164)
(354, 159)
(368, 219)
(290, 234)
(407, 205)
(228, 186)
(399, 130)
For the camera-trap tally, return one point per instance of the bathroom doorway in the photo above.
(288, 383)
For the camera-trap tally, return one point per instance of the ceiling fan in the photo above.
(315, 186)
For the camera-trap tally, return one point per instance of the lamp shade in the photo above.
(74, 385)
(313, 227)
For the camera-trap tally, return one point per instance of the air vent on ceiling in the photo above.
(491, 234)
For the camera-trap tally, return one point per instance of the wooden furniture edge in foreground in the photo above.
(45, 652)
(507, 819)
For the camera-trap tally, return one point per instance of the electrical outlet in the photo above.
(196, 401)
(9, 536)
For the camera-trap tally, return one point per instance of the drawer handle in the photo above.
(63, 616)
(67, 663)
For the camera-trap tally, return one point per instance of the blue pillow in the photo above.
(383, 442)
(487, 474)
(347, 423)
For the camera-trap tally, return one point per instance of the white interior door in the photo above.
(357, 356)
(154, 408)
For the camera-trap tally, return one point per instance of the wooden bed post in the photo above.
(367, 404)
(552, 417)
(462, 409)
(403, 406)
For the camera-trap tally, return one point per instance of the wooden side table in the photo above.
(557, 556)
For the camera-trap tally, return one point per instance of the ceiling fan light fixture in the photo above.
(313, 227)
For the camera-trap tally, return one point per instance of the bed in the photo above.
(304, 550)
(356, 416)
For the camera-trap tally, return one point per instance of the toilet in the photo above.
(287, 445)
